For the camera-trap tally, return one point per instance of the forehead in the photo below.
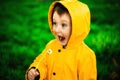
(64, 16)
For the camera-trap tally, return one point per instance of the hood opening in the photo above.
(80, 19)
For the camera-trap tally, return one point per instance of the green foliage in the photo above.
(24, 32)
(105, 43)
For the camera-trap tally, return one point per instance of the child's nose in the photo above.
(58, 29)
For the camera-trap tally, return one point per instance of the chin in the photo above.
(63, 44)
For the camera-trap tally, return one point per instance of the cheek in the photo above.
(53, 31)
(68, 32)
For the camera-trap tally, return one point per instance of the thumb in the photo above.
(37, 76)
(37, 73)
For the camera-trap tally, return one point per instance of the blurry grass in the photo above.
(103, 36)
(104, 40)
(24, 32)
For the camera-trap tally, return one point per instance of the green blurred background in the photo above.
(24, 32)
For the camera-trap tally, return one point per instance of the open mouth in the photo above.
(61, 38)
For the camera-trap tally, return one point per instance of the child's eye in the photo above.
(64, 25)
(54, 24)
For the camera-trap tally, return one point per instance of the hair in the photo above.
(60, 9)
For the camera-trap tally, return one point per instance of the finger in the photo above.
(37, 73)
(31, 74)
(30, 77)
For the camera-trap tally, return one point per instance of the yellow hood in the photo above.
(80, 16)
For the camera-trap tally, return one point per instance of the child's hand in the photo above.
(32, 74)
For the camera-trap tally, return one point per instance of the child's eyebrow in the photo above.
(66, 21)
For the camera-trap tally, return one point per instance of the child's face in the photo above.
(62, 27)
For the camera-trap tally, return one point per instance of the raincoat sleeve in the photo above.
(87, 67)
(41, 64)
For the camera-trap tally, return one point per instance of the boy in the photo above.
(67, 57)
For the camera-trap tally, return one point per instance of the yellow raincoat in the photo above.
(77, 61)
